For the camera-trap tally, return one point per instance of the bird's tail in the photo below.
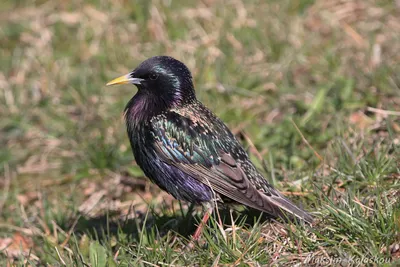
(283, 203)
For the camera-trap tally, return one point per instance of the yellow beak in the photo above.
(120, 80)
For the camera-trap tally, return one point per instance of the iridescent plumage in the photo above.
(186, 150)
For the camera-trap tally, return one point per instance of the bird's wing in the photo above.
(199, 144)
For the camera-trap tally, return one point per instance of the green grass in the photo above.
(296, 81)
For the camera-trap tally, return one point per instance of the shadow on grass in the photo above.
(183, 224)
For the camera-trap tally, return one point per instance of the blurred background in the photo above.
(304, 84)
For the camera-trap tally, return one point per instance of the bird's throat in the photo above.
(140, 109)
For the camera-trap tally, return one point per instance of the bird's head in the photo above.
(162, 78)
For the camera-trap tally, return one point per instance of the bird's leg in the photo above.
(209, 207)
(199, 229)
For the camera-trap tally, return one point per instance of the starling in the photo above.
(188, 151)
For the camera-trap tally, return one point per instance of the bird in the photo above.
(186, 150)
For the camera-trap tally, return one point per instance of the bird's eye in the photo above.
(153, 76)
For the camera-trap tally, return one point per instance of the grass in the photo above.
(310, 87)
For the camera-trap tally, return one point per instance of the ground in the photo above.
(311, 88)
